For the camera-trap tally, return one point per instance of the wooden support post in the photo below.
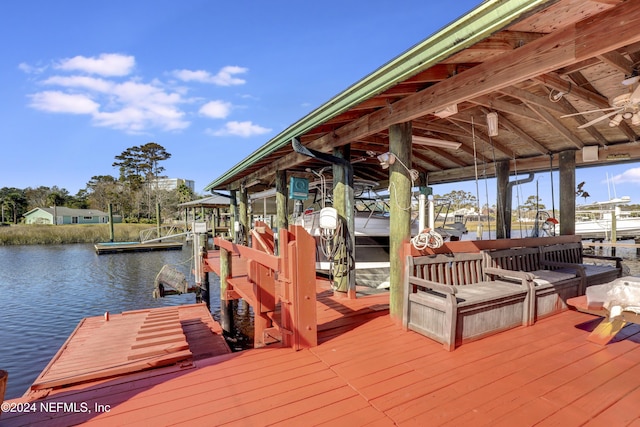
(567, 168)
(503, 213)
(344, 273)
(204, 280)
(226, 311)
(243, 208)
(186, 219)
(400, 221)
(4, 376)
(111, 233)
(281, 205)
(158, 220)
(233, 208)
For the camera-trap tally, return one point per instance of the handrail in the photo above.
(270, 261)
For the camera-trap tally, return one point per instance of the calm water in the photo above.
(46, 290)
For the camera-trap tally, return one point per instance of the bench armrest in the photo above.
(522, 276)
(617, 259)
(439, 287)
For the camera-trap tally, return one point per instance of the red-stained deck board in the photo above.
(370, 372)
(128, 342)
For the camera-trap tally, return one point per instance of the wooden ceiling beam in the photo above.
(438, 73)
(401, 89)
(435, 127)
(556, 82)
(617, 61)
(512, 127)
(578, 66)
(426, 163)
(482, 136)
(530, 98)
(494, 103)
(558, 126)
(371, 104)
(442, 153)
(570, 109)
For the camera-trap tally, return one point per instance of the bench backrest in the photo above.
(450, 269)
(567, 252)
(516, 259)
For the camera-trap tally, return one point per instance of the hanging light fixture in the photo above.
(492, 123)
(386, 159)
(434, 142)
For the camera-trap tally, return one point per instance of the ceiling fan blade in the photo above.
(590, 111)
(601, 118)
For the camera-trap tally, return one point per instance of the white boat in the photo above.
(596, 221)
(371, 230)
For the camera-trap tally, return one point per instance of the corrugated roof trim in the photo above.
(486, 19)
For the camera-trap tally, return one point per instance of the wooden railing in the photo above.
(287, 279)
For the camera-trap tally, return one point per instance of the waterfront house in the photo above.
(62, 215)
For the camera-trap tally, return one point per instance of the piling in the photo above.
(204, 280)
(4, 375)
(111, 233)
(226, 307)
(158, 220)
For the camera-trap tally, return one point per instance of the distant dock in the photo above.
(115, 247)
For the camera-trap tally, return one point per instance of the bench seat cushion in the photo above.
(479, 293)
(549, 277)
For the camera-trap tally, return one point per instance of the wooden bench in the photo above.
(571, 255)
(551, 288)
(447, 298)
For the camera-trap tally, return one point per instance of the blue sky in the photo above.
(210, 81)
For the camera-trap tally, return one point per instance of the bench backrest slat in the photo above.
(456, 269)
(568, 252)
(517, 259)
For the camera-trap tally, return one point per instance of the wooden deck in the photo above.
(119, 344)
(117, 247)
(367, 371)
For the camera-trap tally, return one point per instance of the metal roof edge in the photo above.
(484, 20)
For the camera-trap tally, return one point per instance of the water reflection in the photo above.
(46, 290)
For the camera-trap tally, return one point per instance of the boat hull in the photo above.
(626, 228)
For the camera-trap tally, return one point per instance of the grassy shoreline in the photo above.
(62, 234)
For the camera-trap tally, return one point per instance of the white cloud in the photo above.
(225, 76)
(88, 85)
(30, 69)
(136, 120)
(630, 176)
(107, 64)
(134, 107)
(60, 102)
(244, 129)
(130, 106)
(216, 109)
(81, 82)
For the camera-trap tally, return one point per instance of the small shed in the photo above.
(218, 219)
(58, 215)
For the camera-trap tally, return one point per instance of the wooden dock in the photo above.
(367, 371)
(117, 247)
(114, 345)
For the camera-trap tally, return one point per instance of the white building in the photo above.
(173, 183)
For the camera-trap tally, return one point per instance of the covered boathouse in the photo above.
(530, 64)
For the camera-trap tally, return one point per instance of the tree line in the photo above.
(133, 194)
